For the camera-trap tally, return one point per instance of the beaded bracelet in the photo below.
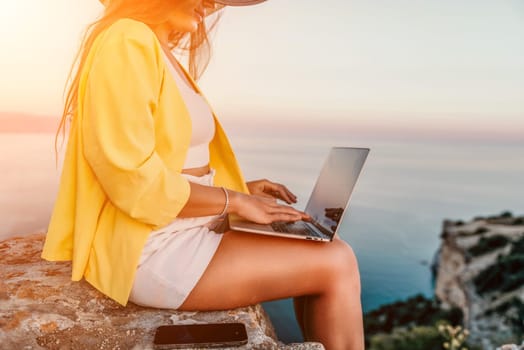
(227, 201)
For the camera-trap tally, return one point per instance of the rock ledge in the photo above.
(40, 308)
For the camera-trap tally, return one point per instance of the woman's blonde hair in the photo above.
(150, 12)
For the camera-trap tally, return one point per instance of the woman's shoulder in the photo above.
(125, 41)
(127, 28)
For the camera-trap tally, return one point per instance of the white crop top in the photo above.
(203, 124)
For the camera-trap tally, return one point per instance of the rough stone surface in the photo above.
(455, 273)
(40, 308)
(511, 347)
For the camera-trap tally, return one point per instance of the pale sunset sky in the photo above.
(437, 65)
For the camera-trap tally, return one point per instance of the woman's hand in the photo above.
(266, 188)
(263, 209)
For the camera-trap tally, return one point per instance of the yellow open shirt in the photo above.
(127, 145)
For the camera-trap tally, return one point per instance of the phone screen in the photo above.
(211, 334)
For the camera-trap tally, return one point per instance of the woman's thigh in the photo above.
(249, 268)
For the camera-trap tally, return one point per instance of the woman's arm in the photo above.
(208, 200)
(118, 130)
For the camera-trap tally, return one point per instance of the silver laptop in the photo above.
(326, 205)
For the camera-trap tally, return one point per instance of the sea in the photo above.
(407, 188)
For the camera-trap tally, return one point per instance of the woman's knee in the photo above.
(341, 264)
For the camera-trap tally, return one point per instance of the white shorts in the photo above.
(175, 257)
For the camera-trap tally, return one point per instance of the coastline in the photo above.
(477, 274)
(476, 288)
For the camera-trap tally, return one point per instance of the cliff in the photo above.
(481, 271)
(40, 308)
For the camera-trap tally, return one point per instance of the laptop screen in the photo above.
(330, 196)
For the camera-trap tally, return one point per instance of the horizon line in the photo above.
(26, 123)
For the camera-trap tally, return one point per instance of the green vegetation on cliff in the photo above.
(415, 338)
(417, 310)
(506, 274)
(504, 218)
(513, 312)
(488, 244)
(409, 324)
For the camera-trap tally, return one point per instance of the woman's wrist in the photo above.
(234, 198)
(226, 203)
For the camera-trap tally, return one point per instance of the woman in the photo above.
(148, 174)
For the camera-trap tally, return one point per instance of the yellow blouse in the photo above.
(127, 145)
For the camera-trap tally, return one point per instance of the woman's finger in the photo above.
(281, 192)
(290, 211)
(273, 189)
(290, 195)
(266, 198)
(282, 209)
(284, 218)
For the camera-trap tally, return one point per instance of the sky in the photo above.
(437, 65)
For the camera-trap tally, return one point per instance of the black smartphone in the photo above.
(200, 335)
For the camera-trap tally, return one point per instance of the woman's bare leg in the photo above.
(248, 269)
(298, 305)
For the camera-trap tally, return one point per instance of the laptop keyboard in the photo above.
(280, 226)
(284, 227)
